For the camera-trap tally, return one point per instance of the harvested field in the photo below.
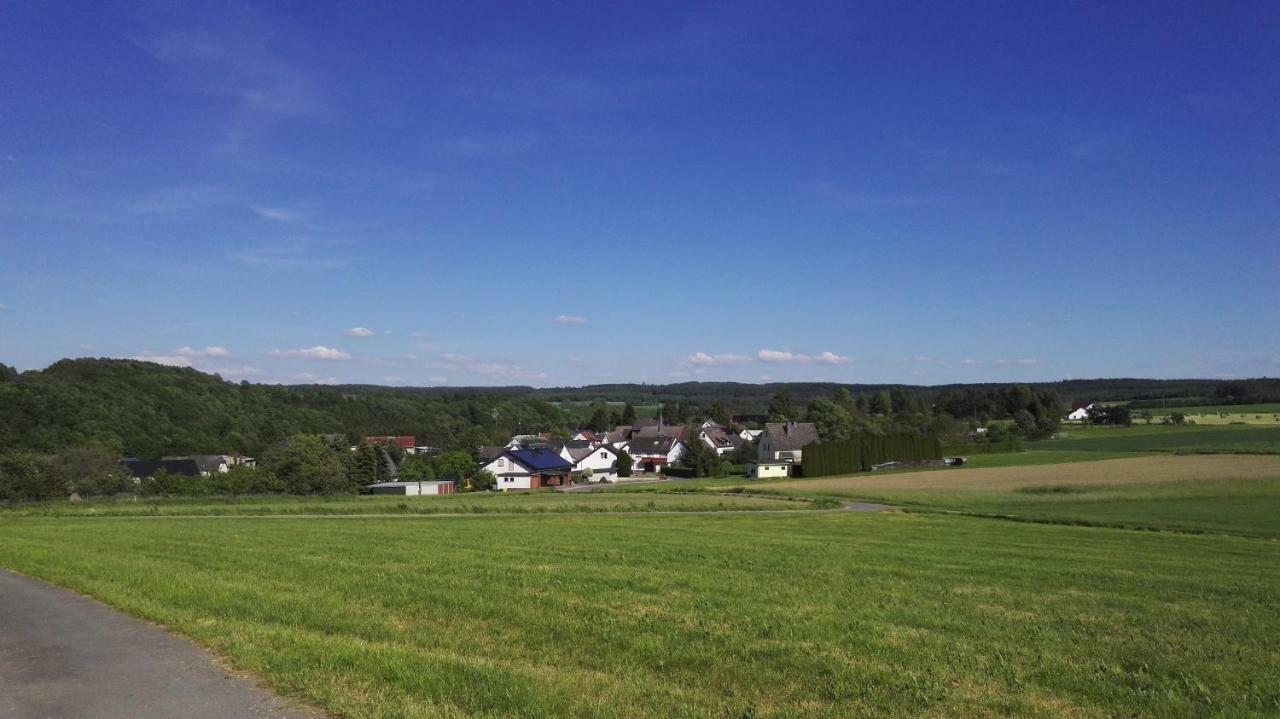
(1136, 470)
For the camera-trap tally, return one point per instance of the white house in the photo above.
(412, 489)
(785, 440)
(718, 439)
(750, 435)
(529, 469)
(602, 461)
(652, 454)
(769, 469)
(1080, 414)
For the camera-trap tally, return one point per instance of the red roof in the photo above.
(405, 442)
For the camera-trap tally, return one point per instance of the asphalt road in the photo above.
(63, 656)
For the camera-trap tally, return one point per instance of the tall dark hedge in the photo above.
(860, 452)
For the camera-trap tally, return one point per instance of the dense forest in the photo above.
(146, 410)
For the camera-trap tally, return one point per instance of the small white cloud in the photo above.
(569, 320)
(1027, 361)
(274, 214)
(916, 359)
(169, 360)
(309, 378)
(3, 307)
(495, 370)
(319, 352)
(969, 362)
(438, 380)
(211, 351)
(359, 332)
(392, 379)
(783, 357)
(86, 348)
(702, 359)
(238, 372)
(766, 378)
(832, 358)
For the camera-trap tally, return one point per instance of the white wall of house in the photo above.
(510, 473)
(771, 470)
(602, 463)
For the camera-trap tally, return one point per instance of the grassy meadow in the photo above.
(732, 615)
(1161, 438)
(1234, 494)
(540, 502)
(661, 600)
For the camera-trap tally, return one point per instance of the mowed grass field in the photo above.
(1158, 438)
(1236, 494)
(734, 615)
(477, 503)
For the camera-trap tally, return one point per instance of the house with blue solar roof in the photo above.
(529, 469)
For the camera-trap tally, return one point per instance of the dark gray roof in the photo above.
(652, 445)
(489, 453)
(786, 436)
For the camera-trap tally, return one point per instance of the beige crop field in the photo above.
(1136, 470)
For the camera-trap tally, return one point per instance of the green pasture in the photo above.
(729, 615)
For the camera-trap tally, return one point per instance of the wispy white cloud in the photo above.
(274, 214)
(241, 372)
(308, 378)
(359, 332)
(1027, 361)
(293, 254)
(832, 358)
(169, 360)
(183, 198)
(211, 351)
(569, 320)
(319, 352)
(489, 144)
(702, 359)
(783, 357)
(490, 370)
(240, 62)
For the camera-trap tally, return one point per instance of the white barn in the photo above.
(412, 489)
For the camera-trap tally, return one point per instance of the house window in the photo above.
(604, 455)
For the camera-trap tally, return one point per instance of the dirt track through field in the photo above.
(1111, 471)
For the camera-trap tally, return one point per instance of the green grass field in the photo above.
(1273, 408)
(797, 615)
(1159, 438)
(543, 606)
(1220, 493)
(479, 503)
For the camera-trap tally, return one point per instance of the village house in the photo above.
(785, 440)
(529, 469)
(412, 489)
(408, 444)
(719, 438)
(1079, 411)
(602, 461)
(653, 453)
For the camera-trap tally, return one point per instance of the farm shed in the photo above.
(411, 488)
(769, 470)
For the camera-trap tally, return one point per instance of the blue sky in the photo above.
(520, 194)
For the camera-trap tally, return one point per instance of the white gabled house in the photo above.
(602, 461)
(653, 454)
(529, 469)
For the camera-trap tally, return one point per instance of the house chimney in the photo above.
(791, 424)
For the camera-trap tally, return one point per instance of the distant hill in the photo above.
(144, 409)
